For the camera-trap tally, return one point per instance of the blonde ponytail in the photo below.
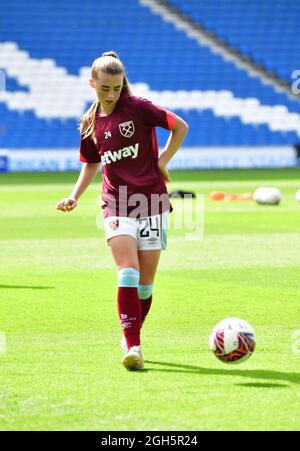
(87, 125)
(108, 63)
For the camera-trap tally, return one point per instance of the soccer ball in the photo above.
(298, 195)
(232, 340)
(267, 196)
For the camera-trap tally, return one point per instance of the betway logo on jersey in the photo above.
(111, 157)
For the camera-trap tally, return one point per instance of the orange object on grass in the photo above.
(216, 195)
(229, 197)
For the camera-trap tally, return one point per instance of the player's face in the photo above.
(108, 89)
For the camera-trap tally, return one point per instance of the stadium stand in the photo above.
(243, 24)
(46, 50)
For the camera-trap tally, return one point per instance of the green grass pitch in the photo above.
(61, 367)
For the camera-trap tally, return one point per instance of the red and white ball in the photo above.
(232, 340)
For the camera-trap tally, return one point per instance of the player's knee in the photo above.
(145, 291)
(128, 277)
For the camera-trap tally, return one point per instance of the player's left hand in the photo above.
(164, 172)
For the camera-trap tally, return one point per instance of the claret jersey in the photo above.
(126, 146)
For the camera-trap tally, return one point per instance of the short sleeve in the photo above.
(155, 115)
(88, 151)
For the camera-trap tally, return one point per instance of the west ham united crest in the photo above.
(127, 129)
(114, 224)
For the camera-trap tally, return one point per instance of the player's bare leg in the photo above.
(148, 261)
(124, 251)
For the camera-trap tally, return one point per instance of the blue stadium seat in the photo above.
(268, 27)
(72, 34)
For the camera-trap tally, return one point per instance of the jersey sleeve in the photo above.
(156, 116)
(88, 152)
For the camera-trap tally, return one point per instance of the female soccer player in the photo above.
(118, 131)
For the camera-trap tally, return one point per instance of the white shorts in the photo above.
(150, 232)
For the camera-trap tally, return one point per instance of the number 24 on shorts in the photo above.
(148, 225)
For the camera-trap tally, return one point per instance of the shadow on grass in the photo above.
(294, 378)
(31, 287)
(33, 178)
(263, 385)
(48, 178)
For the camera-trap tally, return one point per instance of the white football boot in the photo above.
(133, 359)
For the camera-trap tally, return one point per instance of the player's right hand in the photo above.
(67, 204)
